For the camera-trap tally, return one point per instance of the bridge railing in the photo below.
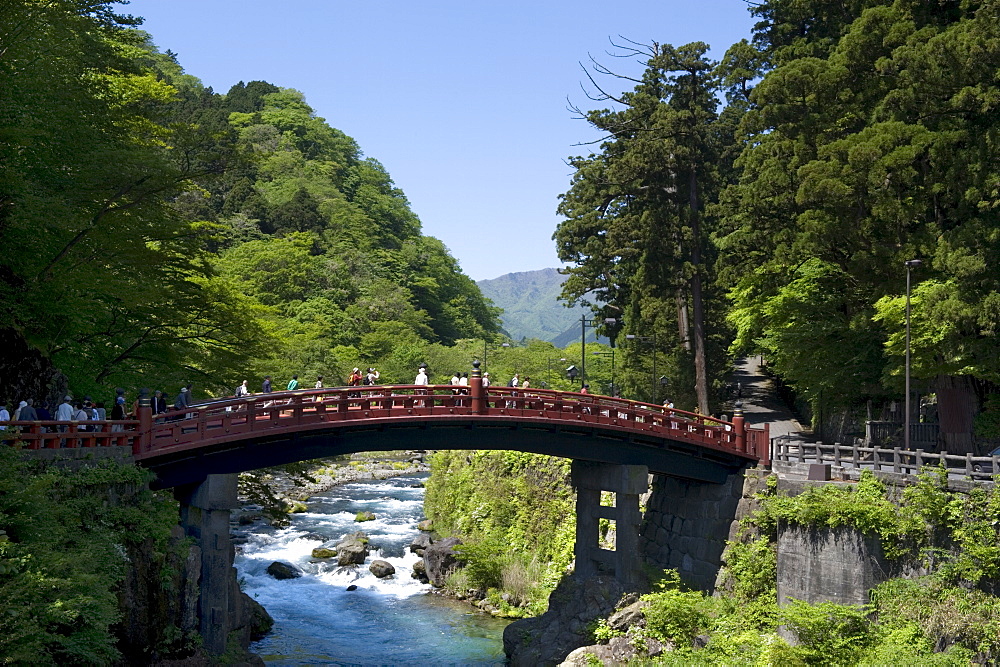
(71, 434)
(889, 459)
(235, 418)
(306, 408)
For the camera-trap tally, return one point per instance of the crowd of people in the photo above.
(85, 409)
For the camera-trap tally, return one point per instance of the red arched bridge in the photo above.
(236, 435)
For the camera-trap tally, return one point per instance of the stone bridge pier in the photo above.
(626, 483)
(204, 516)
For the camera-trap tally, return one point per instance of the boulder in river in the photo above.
(382, 569)
(364, 516)
(297, 507)
(419, 543)
(419, 571)
(440, 560)
(328, 550)
(280, 570)
(352, 549)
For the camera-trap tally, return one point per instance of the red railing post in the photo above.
(477, 391)
(739, 428)
(143, 439)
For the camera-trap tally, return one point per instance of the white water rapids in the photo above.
(393, 621)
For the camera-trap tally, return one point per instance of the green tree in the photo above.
(637, 226)
(867, 145)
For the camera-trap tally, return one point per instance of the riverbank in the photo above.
(330, 473)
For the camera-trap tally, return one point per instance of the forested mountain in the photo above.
(531, 306)
(856, 136)
(157, 232)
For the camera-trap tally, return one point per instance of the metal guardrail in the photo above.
(891, 459)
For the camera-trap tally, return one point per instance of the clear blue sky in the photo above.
(463, 102)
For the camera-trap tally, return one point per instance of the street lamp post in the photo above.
(910, 265)
(644, 339)
(584, 323)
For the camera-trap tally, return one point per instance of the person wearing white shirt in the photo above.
(81, 415)
(4, 417)
(421, 380)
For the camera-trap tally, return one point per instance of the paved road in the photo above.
(760, 399)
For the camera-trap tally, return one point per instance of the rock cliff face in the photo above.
(159, 603)
(26, 373)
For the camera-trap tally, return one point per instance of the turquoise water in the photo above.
(394, 621)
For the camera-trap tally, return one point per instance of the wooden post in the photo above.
(144, 438)
(739, 427)
(480, 404)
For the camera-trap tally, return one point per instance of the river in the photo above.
(393, 621)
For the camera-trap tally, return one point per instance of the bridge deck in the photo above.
(268, 417)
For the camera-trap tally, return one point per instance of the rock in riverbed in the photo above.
(382, 569)
(280, 570)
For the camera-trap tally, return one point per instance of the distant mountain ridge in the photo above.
(530, 301)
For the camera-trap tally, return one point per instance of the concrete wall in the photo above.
(830, 565)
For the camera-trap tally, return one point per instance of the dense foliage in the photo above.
(159, 233)
(63, 554)
(515, 512)
(858, 135)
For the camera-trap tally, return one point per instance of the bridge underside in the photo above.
(583, 442)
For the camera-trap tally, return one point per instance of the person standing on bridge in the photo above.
(64, 412)
(80, 415)
(421, 381)
(293, 384)
(28, 413)
(158, 403)
(514, 383)
(371, 379)
(4, 416)
(243, 390)
(319, 382)
(265, 388)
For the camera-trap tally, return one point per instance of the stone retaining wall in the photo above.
(687, 524)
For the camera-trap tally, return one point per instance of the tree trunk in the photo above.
(683, 329)
(958, 403)
(697, 311)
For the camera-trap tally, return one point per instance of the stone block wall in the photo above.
(687, 523)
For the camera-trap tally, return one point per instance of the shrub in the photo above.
(947, 616)
(677, 615)
(828, 633)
